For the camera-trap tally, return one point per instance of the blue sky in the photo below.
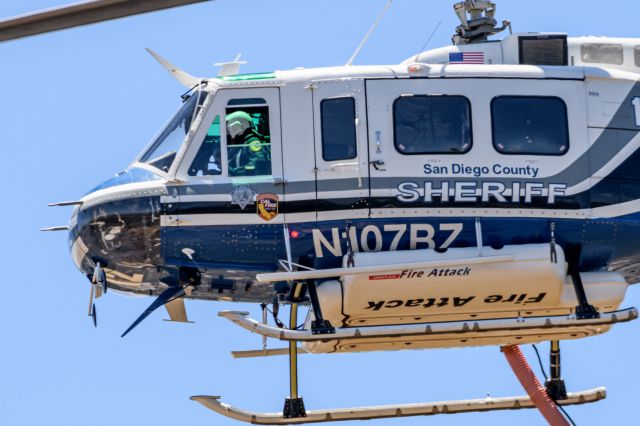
(78, 105)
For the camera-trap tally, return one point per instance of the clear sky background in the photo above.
(78, 105)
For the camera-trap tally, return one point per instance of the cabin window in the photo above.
(432, 124)
(636, 54)
(602, 53)
(338, 129)
(208, 161)
(248, 137)
(163, 149)
(530, 125)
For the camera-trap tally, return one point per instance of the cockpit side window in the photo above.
(248, 137)
(164, 148)
(208, 161)
(636, 55)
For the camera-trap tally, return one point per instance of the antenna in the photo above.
(230, 68)
(371, 30)
(426, 43)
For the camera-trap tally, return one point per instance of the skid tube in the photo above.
(390, 411)
(439, 328)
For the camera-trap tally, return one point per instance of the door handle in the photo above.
(377, 164)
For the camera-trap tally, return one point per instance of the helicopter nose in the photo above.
(119, 227)
(76, 246)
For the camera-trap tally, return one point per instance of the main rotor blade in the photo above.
(75, 15)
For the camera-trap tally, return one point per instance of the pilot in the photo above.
(253, 156)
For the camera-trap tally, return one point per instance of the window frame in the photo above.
(636, 55)
(439, 96)
(237, 104)
(493, 127)
(355, 129)
(217, 104)
(202, 99)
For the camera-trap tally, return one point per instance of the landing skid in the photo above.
(475, 328)
(505, 332)
(390, 411)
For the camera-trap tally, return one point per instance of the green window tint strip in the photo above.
(214, 130)
(247, 77)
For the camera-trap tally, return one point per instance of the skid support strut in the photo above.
(319, 325)
(555, 385)
(584, 310)
(294, 405)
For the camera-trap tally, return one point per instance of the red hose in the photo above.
(532, 385)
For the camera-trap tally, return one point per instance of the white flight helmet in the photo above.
(238, 122)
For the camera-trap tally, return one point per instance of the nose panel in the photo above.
(124, 236)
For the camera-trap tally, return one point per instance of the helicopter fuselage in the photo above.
(425, 156)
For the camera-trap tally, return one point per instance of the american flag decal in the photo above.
(466, 58)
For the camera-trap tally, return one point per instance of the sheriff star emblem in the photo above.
(242, 196)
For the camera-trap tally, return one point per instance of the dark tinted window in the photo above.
(338, 129)
(602, 53)
(636, 54)
(432, 124)
(530, 125)
(247, 101)
(543, 50)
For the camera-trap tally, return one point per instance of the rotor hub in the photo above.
(477, 21)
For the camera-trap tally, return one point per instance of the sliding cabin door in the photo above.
(444, 152)
(342, 182)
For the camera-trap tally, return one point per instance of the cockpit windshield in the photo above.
(162, 151)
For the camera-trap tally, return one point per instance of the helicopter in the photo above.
(346, 233)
